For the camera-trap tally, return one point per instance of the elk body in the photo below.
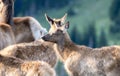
(81, 60)
(27, 29)
(6, 33)
(36, 50)
(11, 66)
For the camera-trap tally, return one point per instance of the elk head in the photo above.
(57, 30)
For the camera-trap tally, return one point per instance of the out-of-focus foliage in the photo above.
(21, 5)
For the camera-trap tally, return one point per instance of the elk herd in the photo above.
(27, 49)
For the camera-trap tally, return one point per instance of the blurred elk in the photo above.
(11, 66)
(36, 50)
(6, 33)
(81, 60)
(25, 29)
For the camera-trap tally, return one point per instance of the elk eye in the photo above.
(59, 23)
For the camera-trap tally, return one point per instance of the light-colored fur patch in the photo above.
(37, 30)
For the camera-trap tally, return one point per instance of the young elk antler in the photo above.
(81, 60)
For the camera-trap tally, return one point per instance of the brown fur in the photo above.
(37, 50)
(6, 36)
(11, 66)
(21, 25)
(82, 60)
(6, 33)
(21, 29)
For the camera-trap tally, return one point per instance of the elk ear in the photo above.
(49, 19)
(67, 25)
(64, 18)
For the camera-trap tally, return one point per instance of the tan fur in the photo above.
(37, 50)
(11, 66)
(84, 61)
(6, 36)
(21, 29)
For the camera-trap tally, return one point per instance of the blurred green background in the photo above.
(94, 23)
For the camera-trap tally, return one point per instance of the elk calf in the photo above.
(82, 60)
(11, 66)
(37, 50)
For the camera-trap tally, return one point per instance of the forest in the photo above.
(94, 23)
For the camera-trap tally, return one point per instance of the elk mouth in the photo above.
(46, 37)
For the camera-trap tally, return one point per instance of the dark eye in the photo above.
(59, 23)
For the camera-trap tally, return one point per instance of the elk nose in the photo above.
(46, 37)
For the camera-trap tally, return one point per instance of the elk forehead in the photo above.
(55, 28)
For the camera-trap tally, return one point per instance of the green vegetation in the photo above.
(94, 23)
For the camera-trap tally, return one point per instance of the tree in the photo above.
(115, 9)
(91, 35)
(115, 16)
(75, 35)
(102, 39)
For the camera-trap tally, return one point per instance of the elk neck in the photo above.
(65, 47)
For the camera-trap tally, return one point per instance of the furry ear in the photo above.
(50, 20)
(67, 25)
(64, 18)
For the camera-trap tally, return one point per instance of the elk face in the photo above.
(57, 30)
(56, 23)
